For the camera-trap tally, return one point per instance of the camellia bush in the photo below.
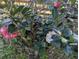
(24, 34)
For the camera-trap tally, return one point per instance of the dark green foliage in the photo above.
(34, 28)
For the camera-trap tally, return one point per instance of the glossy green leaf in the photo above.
(14, 40)
(11, 28)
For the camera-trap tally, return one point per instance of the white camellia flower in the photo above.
(49, 35)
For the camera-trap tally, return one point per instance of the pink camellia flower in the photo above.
(7, 36)
(10, 36)
(14, 35)
(3, 30)
(57, 4)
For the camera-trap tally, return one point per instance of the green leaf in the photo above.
(58, 19)
(17, 9)
(62, 8)
(39, 45)
(14, 40)
(25, 9)
(54, 13)
(72, 1)
(43, 53)
(10, 47)
(11, 28)
(63, 40)
(71, 39)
